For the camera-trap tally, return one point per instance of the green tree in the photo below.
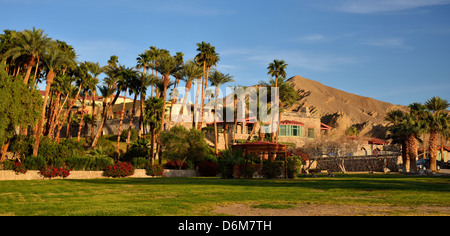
(277, 69)
(287, 95)
(152, 118)
(30, 44)
(19, 106)
(95, 69)
(207, 57)
(436, 122)
(217, 79)
(53, 60)
(166, 65)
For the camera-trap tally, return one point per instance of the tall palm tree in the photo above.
(30, 44)
(206, 57)
(277, 69)
(166, 65)
(95, 69)
(54, 59)
(217, 79)
(287, 96)
(147, 80)
(153, 114)
(436, 122)
(88, 83)
(189, 73)
(134, 86)
(113, 82)
(143, 61)
(126, 76)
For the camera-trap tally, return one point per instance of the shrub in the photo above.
(51, 172)
(133, 136)
(271, 170)
(119, 169)
(180, 143)
(141, 148)
(293, 165)
(154, 170)
(35, 162)
(207, 168)
(89, 163)
(19, 168)
(176, 164)
(249, 170)
(139, 162)
(228, 159)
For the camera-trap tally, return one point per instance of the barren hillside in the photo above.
(341, 110)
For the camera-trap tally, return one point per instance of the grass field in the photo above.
(380, 194)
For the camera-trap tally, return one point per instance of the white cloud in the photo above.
(303, 60)
(388, 43)
(381, 6)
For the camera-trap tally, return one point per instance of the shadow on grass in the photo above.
(362, 182)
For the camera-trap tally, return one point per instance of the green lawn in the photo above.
(200, 196)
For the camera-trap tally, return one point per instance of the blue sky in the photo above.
(396, 51)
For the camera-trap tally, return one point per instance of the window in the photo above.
(283, 130)
(311, 133)
(291, 130)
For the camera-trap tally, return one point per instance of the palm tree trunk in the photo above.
(433, 148)
(58, 118)
(225, 130)
(196, 117)
(82, 116)
(216, 142)
(105, 117)
(120, 124)
(412, 149)
(163, 115)
(31, 64)
(70, 104)
(133, 111)
(94, 93)
(50, 76)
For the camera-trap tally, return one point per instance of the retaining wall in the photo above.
(138, 173)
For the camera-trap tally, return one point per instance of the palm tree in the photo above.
(143, 61)
(436, 122)
(166, 65)
(189, 73)
(30, 44)
(153, 114)
(206, 57)
(87, 82)
(135, 84)
(54, 59)
(126, 76)
(217, 79)
(287, 96)
(113, 82)
(95, 69)
(73, 92)
(147, 80)
(277, 69)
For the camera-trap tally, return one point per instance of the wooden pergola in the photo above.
(264, 149)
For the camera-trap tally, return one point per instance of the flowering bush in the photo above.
(119, 169)
(154, 170)
(175, 164)
(19, 168)
(50, 172)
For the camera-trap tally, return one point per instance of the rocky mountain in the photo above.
(341, 110)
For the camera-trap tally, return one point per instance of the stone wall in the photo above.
(138, 173)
